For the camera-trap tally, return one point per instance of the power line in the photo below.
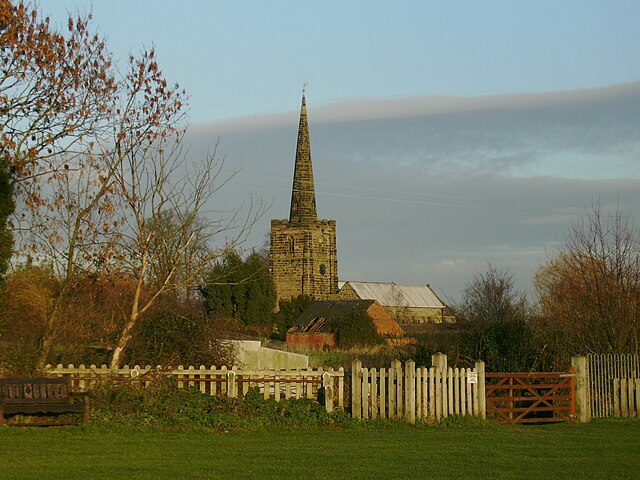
(476, 206)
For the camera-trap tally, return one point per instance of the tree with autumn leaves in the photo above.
(97, 168)
(55, 90)
(590, 290)
(588, 301)
(99, 195)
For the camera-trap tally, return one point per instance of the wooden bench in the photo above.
(45, 395)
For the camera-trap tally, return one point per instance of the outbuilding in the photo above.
(405, 303)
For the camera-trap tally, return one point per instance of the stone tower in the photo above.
(303, 259)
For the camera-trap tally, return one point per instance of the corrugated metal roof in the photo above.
(392, 295)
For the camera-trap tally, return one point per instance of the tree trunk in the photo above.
(45, 349)
(130, 323)
(46, 342)
(123, 340)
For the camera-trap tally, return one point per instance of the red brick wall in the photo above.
(384, 322)
(312, 339)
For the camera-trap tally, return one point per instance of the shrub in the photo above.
(287, 315)
(27, 297)
(163, 404)
(356, 329)
(168, 338)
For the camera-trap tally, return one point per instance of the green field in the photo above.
(601, 449)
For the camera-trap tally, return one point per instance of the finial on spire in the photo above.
(304, 88)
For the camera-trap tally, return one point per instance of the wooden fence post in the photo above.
(399, 413)
(180, 375)
(327, 384)
(364, 393)
(373, 392)
(432, 393)
(631, 400)
(482, 396)
(419, 393)
(391, 410)
(456, 391)
(450, 389)
(579, 363)
(410, 391)
(356, 389)
(439, 361)
(298, 385)
(425, 392)
(231, 384)
(383, 393)
(328, 392)
(341, 387)
(463, 392)
(438, 393)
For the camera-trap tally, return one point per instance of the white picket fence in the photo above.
(412, 393)
(626, 397)
(279, 384)
(406, 393)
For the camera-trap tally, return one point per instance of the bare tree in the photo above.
(158, 185)
(105, 187)
(494, 323)
(69, 119)
(591, 290)
(491, 296)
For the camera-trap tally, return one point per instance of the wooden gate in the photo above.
(531, 397)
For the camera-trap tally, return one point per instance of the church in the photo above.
(303, 258)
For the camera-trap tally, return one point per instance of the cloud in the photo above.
(452, 264)
(375, 108)
(429, 190)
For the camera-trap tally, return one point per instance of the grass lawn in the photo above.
(375, 450)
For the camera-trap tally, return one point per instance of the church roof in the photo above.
(303, 197)
(392, 295)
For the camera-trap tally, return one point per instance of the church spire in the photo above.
(303, 197)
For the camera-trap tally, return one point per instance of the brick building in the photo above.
(303, 258)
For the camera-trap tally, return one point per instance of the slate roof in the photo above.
(392, 295)
(320, 316)
(323, 313)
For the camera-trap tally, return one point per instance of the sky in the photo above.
(445, 135)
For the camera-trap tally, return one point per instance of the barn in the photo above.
(407, 304)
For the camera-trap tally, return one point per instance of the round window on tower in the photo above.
(323, 269)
